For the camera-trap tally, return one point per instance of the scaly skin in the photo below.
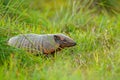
(46, 43)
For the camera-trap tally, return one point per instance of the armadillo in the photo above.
(44, 43)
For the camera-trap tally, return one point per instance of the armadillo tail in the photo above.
(12, 41)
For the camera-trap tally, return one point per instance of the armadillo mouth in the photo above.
(67, 45)
(73, 44)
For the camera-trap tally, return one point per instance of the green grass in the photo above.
(96, 55)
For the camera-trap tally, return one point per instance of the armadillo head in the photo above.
(64, 40)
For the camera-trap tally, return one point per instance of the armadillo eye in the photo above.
(65, 40)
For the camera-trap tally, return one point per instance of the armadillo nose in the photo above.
(74, 43)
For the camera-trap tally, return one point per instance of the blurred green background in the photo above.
(93, 24)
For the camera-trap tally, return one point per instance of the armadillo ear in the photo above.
(57, 38)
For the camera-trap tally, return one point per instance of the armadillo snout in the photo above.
(71, 44)
(74, 43)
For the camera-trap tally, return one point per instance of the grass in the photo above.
(96, 55)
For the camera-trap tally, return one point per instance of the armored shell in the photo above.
(46, 43)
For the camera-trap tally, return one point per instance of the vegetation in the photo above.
(89, 23)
